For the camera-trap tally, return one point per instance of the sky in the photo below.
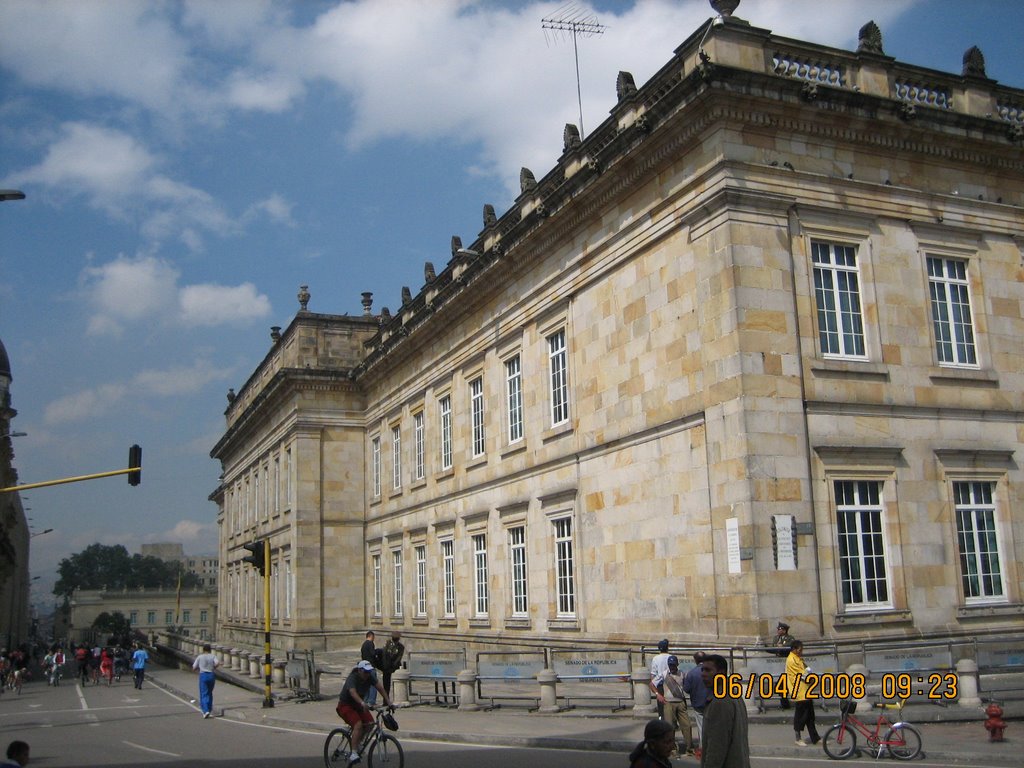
(188, 165)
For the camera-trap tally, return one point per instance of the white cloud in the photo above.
(84, 405)
(146, 289)
(209, 304)
(275, 207)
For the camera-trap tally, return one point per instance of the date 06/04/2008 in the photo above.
(830, 685)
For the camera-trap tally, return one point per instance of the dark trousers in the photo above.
(140, 675)
(803, 717)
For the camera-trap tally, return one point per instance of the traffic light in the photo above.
(135, 463)
(256, 557)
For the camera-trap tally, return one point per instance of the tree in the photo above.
(99, 566)
(115, 624)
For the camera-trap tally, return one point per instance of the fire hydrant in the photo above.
(995, 723)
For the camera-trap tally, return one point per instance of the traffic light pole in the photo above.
(268, 699)
(134, 473)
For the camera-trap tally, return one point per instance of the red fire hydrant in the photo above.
(995, 723)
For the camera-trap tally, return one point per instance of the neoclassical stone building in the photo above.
(753, 349)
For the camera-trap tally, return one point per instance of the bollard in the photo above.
(400, 687)
(467, 690)
(643, 703)
(236, 659)
(277, 674)
(548, 690)
(967, 683)
(255, 667)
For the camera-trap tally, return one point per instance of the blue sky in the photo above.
(189, 165)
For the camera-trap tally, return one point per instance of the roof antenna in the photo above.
(573, 20)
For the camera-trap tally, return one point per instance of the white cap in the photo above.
(364, 664)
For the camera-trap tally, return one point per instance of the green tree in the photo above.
(99, 566)
(115, 624)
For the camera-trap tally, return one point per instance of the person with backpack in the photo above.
(391, 659)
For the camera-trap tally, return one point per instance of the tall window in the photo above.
(448, 563)
(287, 471)
(421, 580)
(168, 617)
(256, 494)
(378, 598)
(275, 597)
(419, 444)
(445, 407)
(266, 490)
(151, 617)
(277, 483)
(396, 457)
(517, 550)
(288, 589)
(476, 403)
(514, 398)
(396, 561)
(204, 616)
(978, 541)
(565, 582)
(480, 572)
(558, 366)
(951, 311)
(837, 293)
(186, 616)
(862, 567)
(375, 465)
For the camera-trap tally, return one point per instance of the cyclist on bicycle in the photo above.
(352, 707)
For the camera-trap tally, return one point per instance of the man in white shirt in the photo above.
(659, 668)
(206, 665)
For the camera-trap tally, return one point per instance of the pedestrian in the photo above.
(368, 653)
(783, 640)
(354, 705)
(17, 755)
(693, 686)
(659, 666)
(673, 698)
(803, 704)
(206, 664)
(139, 659)
(659, 742)
(725, 742)
(391, 659)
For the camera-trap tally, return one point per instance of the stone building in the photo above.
(751, 350)
(14, 532)
(150, 611)
(205, 567)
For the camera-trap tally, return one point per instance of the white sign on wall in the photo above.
(732, 543)
(785, 542)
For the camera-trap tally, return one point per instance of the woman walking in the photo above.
(205, 664)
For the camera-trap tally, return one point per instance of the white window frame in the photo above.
(952, 317)
(518, 583)
(858, 585)
(514, 398)
(558, 370)
(288, 587)
(421, 580)
(448, 584)
(476, 409)
(840, 327)
(396, 567)
(275, 597)
(979, 542)
(444, 405)
(375, 465)
(396, 457)
(565, 568)
(378, 595)
(287, 469)
(277, 482)
(419, 446)
(481, 591)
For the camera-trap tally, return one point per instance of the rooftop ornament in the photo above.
(974, 62)
(869, 39)
(303, 296)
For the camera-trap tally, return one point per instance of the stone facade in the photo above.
(14, 529)
(751, 350)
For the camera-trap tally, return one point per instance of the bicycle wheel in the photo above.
(839, 742)
(336, 748)
(386, 753)
(903, 741)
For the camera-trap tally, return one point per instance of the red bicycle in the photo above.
(899, 739)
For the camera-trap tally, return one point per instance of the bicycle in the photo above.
(900, 739)
(380, 747)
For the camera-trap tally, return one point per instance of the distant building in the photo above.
(750, 350)
(205, 567)
(148, 610)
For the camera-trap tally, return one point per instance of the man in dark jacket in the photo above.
(368, 653)
(725, 741)
(391, 659)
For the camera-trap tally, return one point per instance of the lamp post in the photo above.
(40, 533)
(11, 194)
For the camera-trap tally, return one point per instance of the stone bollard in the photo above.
(752, 702)
(255, 665)
(548, 681)
(644, 705)
(236, 659)
(400, 687)
(218, 651)
(467, 690)
(277, 673)
(967, 683)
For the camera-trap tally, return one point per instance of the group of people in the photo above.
(97, 663)
(721, 722)
(13, 668)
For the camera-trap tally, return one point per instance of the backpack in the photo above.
(82, 654)
(378, 658)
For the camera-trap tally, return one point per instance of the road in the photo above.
(98, 726)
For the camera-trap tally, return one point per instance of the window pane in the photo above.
(837, 296)
(951, 311)
(977, 539)
(861, 544)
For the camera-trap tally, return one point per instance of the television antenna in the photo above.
(570, 19)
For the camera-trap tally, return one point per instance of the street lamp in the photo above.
(48, 530)
(11, 194)
(15, 434)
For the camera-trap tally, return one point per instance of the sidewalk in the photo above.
(953, 742)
